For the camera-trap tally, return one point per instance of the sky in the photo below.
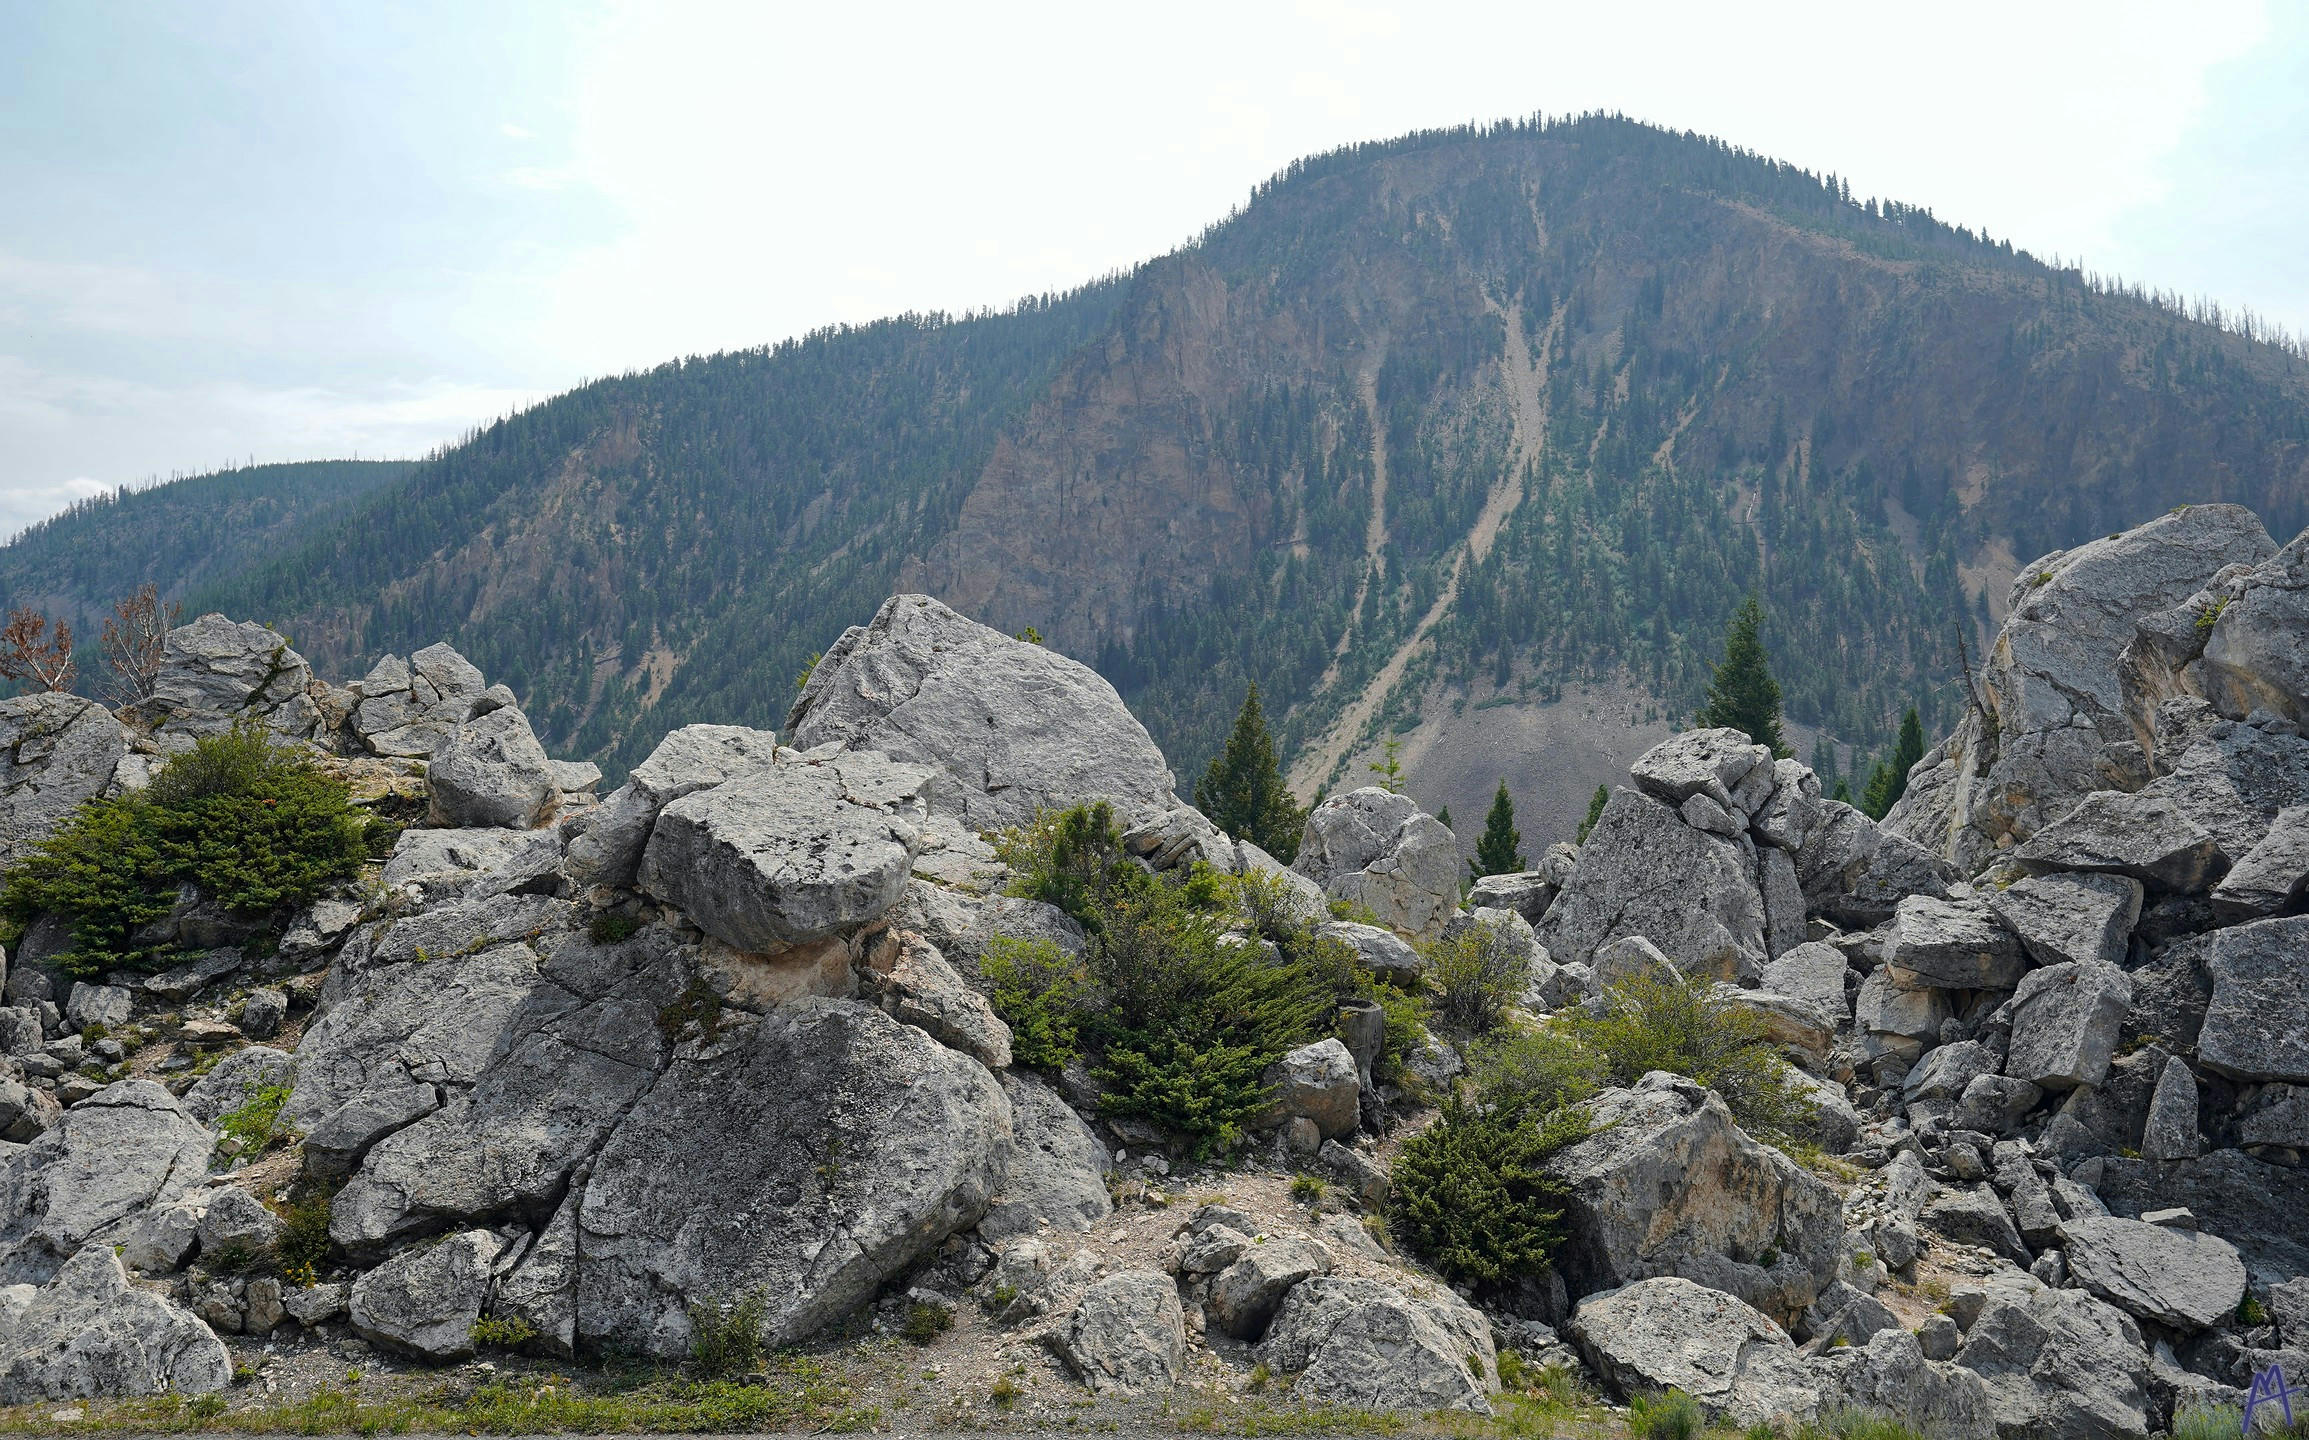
(240, 231)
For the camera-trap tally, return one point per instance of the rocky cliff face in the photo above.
(717, 1044)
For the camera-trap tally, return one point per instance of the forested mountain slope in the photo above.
(179, 534)
(1434, 428)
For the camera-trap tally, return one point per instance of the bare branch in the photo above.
(27, 654)
(135, 641)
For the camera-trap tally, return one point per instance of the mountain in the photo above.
(180, 534)
(1477, 436)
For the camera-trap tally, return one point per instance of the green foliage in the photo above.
(1243, 792)
(1497, 852)
(1389, 766)
(1039, 991)
(2251, 1312)
(1889, 781)
(1404, 1025)
(2206, 1422)
(502, 1332)
(925, 1323)
(1474, 975)
(1471, 1192)
(256, 1121)
(725, 1338)
(303, 1248)
(608, 927)
(1595, 804)
(1307, 1189)
(255, 826)
(1743, 695)
(1541, 1070)
(1073, 859)
(1850, 1424)
(1668, 1415)
(1651, 1024)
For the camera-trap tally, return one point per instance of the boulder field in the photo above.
(610, 1066)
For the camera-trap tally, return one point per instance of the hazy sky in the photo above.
(314, 229)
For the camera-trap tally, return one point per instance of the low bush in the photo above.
(1039, 991)
(1471, 1191)
(257, 1120)
(1650, 1024)
(1875, 1425)
(1669, 1415)
(1474, 975)
(303, 1248)
(925, 1323)
(255, 826)
(725, 1338)
(503, 1332)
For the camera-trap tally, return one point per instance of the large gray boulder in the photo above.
(215, 673)
(88, 1334)
(2170, 1132)
(491, 771)
(1009, 726)
(1951, 945)
(432, 866)
(1360, 1342)
(2065, 1020)
(1244, 1296)
(1888, 1374)
(121, 1151)
(2146, 835)
(2059, 1364)
(582, 1049)
(1316, 1082)
(1669, 1185)
(1643, 871)
(2054, 683)
(2257, 655)
(1127, 1334)
(1378, 848)
(1722, 765)
(424, 1301)
(411, 707)
(2182, 1278)
(2063, 918)
(1896, 1021)
(1381, 952)
(917, 986)
(695, 757)
(55, 752)
(1669, 1333)
(1813, 973)
(2257, 1025)
(1056, 1173)
(789, 853)
(2261, 1209)
(809, 1157)
(2272, 876)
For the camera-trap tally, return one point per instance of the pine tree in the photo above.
(1889, 781)
(1443, 817)
(1243, 792)
(1743, 695)
(1601, 798)
(1389, 769)
(1495, 852)
(1842, 794)
(1876, 800)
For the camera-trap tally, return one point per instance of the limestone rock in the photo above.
(2272, 876)
(1890, 1374)
(1127, 1334)
(236, 1220)
(1381, 952)
(1245, 1295)
(214, 672)
(1669, 1185)
(1316, 1081)
(1527, 892)
(1010, 727)
(2171, 1130)
(1951, 945)
(107, 1005)
(810, 1156)
(411, 707)
(1380, 849)
(2145, 835)
(491, 771)
(424, 1300)
(1669, 1333)
(1813, 973)
(1645, 872)
(1973, 1215)
(2065, 1020)
(2182, 1278)
(2059, 1364)
(1359, 1342)
(235, 1080)
(687, 760)
(2256, 656)
(1901, 1021)
(1056, 1175)
(439, 865)
(2257, 1025)
(1708, 763)
(128, 1147)
(55, 752)
(88, 1334)
(789, 853)
(917, 987)
(2063, 918)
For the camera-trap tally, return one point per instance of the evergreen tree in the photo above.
(1876, 800)
(1389, 769)
(1443, 816)
(1495, 852)
(1243, 793)
(1743, 694)
(1842, 793)
(1824, 759)
(1595, 804)
(1890, 779)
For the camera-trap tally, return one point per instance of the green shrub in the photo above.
(1039, 991)
(257, 1120)
(726, 1338)
(304, 1244)
(255, 826)
(1475, 975)
(1405, 1026)
(1652, 1024)
(1472, 1194)
(608, 927)
(1669, 1415)
(1541, 1070)
(1073, 859)
(1307, 1189)
(1875, 1425)
(2206, 1422)
(925, 1323)
(503, 1332)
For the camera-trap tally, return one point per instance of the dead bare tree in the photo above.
(135, 640)
(26, 652)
